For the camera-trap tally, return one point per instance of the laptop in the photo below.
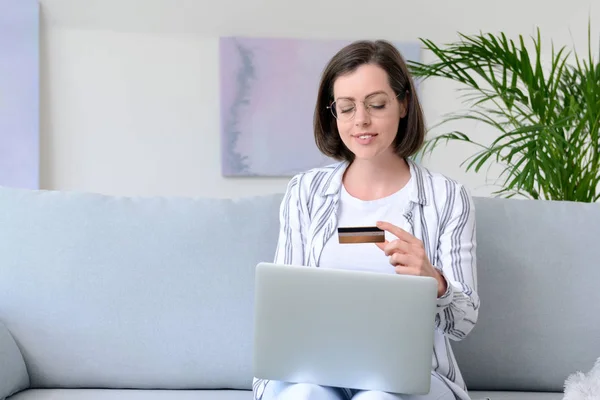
(352, 329)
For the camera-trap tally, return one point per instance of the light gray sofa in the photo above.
(151, 298)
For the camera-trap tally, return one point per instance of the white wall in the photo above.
(129, 95)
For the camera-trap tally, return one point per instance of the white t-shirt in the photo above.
(353, 212)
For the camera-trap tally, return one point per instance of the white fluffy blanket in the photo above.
(580, 386)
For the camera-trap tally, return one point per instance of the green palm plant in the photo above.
(547, 119)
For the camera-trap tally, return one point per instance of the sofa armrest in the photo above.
(13, 372)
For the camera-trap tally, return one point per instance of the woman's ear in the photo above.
(404, 106)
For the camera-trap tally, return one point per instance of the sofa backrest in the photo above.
(116, 292)
(112, 292)
(539, 274)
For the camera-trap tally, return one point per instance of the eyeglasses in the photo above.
(377, 106)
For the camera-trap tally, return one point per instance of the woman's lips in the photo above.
(364, 138)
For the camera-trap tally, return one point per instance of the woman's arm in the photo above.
(458, 307)
(290, 245)
(458, 302)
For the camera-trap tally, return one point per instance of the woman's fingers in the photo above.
(401, 259)
(396, 246)
(400, 233)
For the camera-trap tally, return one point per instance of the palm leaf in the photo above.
(547, 119)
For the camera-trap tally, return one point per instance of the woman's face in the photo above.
(367, 111)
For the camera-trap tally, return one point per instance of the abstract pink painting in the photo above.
(268, 89)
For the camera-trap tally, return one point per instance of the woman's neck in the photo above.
(375, 179)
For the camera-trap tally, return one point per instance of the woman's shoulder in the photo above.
(440, 187)
(327, 169)
(318, 180)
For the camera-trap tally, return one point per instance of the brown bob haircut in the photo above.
(411, 129)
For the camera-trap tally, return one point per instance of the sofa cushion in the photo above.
(538, 274)
(107, 394)
(13, 373)
(114, 292)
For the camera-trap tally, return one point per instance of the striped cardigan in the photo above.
(440, 213)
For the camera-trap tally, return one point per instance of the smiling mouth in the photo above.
(365, 135)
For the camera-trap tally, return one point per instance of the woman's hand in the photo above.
(407, 254)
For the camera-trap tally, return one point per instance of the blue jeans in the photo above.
(275, 390)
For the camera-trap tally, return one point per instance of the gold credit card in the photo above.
(361, 234)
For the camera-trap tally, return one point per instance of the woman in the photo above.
(368, 116)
